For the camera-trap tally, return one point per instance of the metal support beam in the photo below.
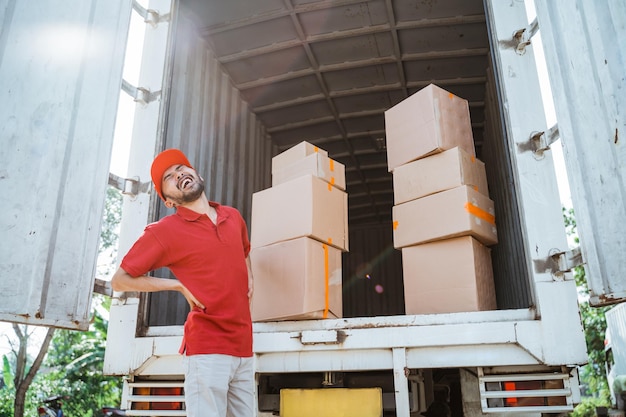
(400, 382)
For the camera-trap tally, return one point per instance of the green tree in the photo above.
(75, 368)
(593, 374)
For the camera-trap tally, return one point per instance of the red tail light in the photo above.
(153, 402)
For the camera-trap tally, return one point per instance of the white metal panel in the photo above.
(616, 324)
(585, 47)
(533, 176)
(60, 75)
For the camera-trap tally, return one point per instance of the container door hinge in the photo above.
(523, 36)
(559, 263)
(141, 95)
(128, 186)
(103, 287)
(539, 142)
(150, 16)
(543, 140)
(568, 260)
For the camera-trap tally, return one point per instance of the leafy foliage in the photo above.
(7, 389)
(111, 219)
(75, 369)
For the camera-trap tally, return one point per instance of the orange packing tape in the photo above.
(480, 213)
(330, 240)
(315, 149)
(332, 165)
(332, 180)
(451, 95)
(395, 225)
(330, 187)
(473, 159)
(326, 279)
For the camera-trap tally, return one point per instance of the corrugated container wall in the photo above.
(231, 149)
(223, 139)
(510, 270)
(372, 273)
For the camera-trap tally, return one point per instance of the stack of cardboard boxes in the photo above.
(299, 228)
(443, 219)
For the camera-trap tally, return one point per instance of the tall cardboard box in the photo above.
(305, 206)
(430, 121)
(296, 279)
(443, 171)
(461, 211)
(316, 164)
(295, 153)
(448, 276)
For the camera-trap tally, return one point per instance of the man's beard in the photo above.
(191, 194)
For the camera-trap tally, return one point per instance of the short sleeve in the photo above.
(147, 254)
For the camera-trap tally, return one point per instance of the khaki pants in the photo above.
(219, 386)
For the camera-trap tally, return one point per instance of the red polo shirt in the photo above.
(209, 260)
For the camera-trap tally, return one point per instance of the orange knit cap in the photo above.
(162, 162)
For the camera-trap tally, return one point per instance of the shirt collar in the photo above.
(191, 216)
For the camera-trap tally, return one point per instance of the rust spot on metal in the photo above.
(38, 315)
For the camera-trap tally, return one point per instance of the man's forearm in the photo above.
(123, 281)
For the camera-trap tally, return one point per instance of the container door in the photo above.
(60, 76)
(585, 47)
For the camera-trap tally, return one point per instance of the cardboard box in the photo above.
(295, 153)
(440, 172)
(461, 211)
(430, 121)
(448, 276)
(305, 206)
(296, 279)
(316, 164)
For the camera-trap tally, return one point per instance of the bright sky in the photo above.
(548, 105)
(126, 106)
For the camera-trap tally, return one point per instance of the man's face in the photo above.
(181, 184)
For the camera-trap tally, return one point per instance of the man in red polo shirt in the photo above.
(206, 247)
